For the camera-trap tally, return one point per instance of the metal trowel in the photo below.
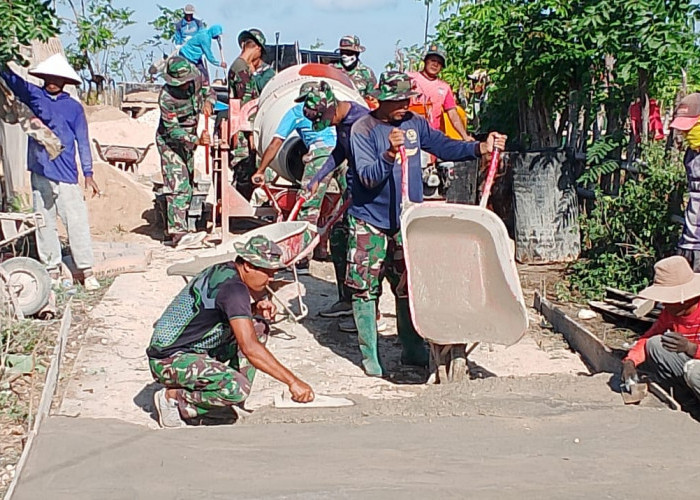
(634, 393)
(284, 400)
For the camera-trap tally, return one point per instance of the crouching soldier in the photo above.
(210, 341)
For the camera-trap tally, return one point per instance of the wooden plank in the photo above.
(617, 312)
(631, 307)
(52, 376)
(597, 356)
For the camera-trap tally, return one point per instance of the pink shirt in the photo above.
(436, 96)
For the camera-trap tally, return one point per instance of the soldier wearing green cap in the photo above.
(375, 248)
(183, 98)
(435, 94)
(319, 144)
(246, 78)
(210, 340)
(362, 76)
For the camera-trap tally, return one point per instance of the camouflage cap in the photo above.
(350, 43)
(179, 71)
(260, 252)
(319, 106)
(305, 89)
(253, 34)
(394, 86)
(435, 50)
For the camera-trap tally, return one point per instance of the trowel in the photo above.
(284, 400)
(634, 393)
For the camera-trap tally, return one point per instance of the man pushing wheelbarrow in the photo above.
(375, 246)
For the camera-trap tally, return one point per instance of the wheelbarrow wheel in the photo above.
(29, 282)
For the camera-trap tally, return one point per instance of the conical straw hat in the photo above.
(56, 65)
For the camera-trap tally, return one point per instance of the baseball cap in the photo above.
(687, 113)
(189, 9)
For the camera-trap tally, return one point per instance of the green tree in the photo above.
(96, 26)
(164, 26)
(22, 21)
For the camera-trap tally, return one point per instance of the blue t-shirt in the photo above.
(376, 178)
(294, 119)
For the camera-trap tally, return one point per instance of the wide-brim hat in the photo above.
(56, 66)
(253, 34)
(674, 282)
(179, 71)
(394, 86)
(687, 113)
(351, 43)
(260, 252)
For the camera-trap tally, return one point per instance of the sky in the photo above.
(378, 23)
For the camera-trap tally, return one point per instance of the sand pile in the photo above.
(123, 202)
(103, 113)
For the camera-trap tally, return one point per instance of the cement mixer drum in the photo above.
(278, 97)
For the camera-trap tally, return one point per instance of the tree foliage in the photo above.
(22, 21)
(564, 58)
(164, 25)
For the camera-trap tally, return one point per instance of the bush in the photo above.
(624, 236)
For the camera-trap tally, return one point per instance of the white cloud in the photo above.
(351, 5)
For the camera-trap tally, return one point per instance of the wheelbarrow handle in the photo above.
(273, 200)
(297, 206)
(493, 168)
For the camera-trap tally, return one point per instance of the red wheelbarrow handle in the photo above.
(493, 168)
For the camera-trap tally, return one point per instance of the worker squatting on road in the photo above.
(360, 74)
(184, 96)
(210, 340)
(435, 95)
(375, 248)
(319, 144)
(55, 188)
(669, 349)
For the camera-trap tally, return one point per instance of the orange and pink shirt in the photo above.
(688, 326)
(436, 95)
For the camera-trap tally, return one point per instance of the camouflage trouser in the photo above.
(177, 165)
(313, 161)
(374, 254)
(206, 381)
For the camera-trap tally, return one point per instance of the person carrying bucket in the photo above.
(375, 248)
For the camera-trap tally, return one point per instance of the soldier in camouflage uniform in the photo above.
(246, 78)
(362, 76)
(375, 246)
(183, 98)
(210, 340)
(319, 144)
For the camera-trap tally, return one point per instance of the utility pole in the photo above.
(427, 20)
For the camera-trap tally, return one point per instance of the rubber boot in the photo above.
(365, 314)
(413, 349)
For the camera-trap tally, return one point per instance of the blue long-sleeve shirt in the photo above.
(200, 45)
(376, 186)
(342, 150)
(66, 118)
(185, 30)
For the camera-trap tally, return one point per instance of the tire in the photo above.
(31, 280)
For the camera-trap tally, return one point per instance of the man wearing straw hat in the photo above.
(210, 340)
(55, 187)
(375, 248)
(669, 349)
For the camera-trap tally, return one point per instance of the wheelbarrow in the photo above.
(124, 157)
(463, 285)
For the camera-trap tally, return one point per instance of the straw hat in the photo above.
(674, 282)
(56, 66)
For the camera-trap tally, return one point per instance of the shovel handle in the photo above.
(404, 174)
(207, 149)
(493, 167)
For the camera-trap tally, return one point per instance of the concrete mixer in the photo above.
(278, 97)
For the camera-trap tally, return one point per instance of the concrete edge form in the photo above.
(50, 384)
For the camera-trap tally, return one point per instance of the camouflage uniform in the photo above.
(361, 75)
(176, 138)
(246, 86)
(193, 349)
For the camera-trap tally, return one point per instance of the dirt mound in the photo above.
(123, 202)
(103, 113)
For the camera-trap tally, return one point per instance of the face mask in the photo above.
(348, 60)
(693, 137)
